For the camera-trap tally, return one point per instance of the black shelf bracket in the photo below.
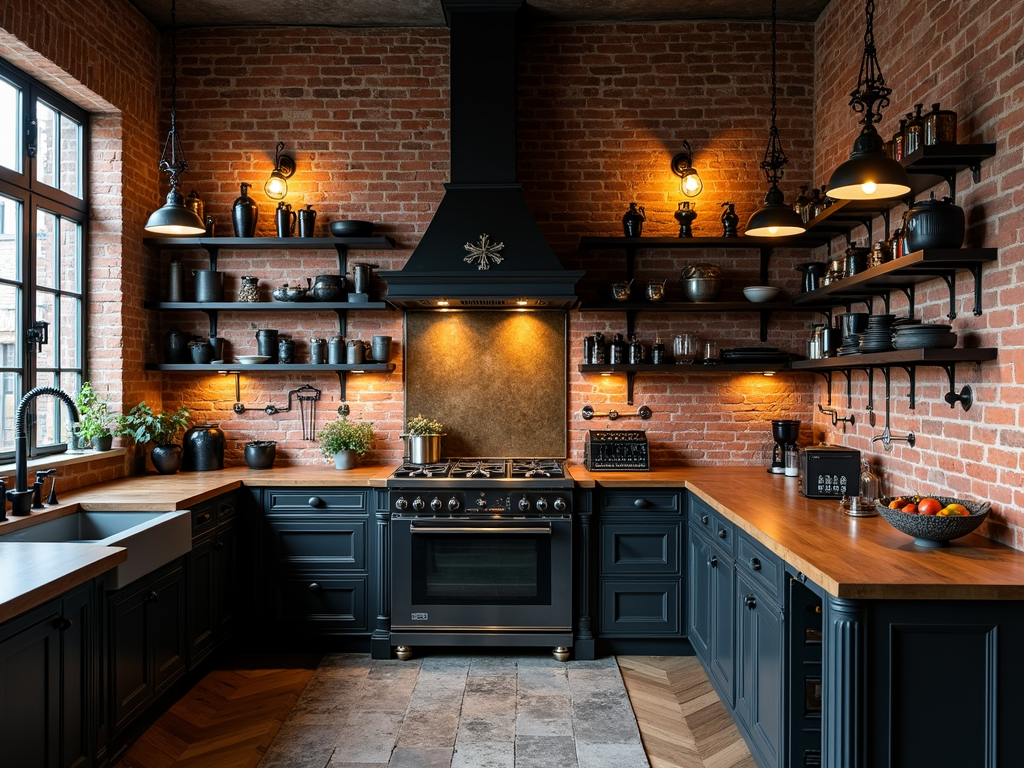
(976, 271)
(630, 381)
(211, 316)
(912, 375)
(212, 252)
(965, 396)
(765, 253)
(342, 258)
(827, 376)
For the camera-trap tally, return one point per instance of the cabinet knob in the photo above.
(314, 587)
(723, 534)
(704, 519)
(204, 518)
(219, 545)
(713, 561)
(641, 503)
(315, 501)
(154, 596)
(63, 623)
(750, 602)
(755, 563)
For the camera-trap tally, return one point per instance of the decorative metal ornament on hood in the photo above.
(775, 218)
(483, 248)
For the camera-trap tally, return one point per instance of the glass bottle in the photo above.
(914, 137)
(814, 204)
(617, 350)
(658, 351)
(898, 141)
(801, 204)
(636, 351)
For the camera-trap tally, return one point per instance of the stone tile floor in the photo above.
(447, 711)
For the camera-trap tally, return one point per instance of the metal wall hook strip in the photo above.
(642, 412)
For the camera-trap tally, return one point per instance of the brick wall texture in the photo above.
(603, 108)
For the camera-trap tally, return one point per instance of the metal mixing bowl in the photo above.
(702, 288)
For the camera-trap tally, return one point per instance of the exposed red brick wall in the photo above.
(967, 55)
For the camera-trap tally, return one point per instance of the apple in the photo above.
(928, 506)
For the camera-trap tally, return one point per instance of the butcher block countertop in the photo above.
(856, 558)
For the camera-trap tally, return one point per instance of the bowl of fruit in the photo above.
(933, 521)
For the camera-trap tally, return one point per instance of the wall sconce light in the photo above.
(869, 174)
(173, 218)
(277, 183)
(682, 166)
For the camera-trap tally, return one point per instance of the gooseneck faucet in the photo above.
(21, 436)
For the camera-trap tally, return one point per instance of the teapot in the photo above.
(328, 287)
(620, 291)
(656, 290)
(933, 224)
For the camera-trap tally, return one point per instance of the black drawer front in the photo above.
(641, 501)
(760, 566)
(640, 548)
(704, 518)
(317, 545)
(641, 608)
(315, 500)
(204, 518)
(318, 604)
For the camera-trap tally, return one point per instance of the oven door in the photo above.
(494, 575)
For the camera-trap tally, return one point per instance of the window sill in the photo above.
(66, 459)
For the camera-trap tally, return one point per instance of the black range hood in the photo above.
(483, 248)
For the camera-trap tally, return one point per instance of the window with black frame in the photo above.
(43, 210)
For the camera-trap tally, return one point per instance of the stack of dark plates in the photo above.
(757, 355)
(878, 336)
(923, 336)
(850, 345)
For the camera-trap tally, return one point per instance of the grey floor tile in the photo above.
(606, 718)
(301, 747)
(611, 755)
(486, 754)
(544, 715)
(421, 758)
(492, 685)
(546, 752)
(429, 728)
(368, 737)
(493, 665)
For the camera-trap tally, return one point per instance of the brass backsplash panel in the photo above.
(496, 380)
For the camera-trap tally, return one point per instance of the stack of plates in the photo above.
(923, 336)
(757, 355)
(878, 336)
(850, 345)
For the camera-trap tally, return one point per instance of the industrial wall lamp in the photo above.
(682, 166)
(277, 183)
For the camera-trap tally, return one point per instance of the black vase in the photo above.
(244, 213)
(167, 458)
(203, 445)
(260, 454)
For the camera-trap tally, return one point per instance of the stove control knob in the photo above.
(453, 504)
(560, 504)
(542, 504)
(418, 504)
(436, 504)
(481, 502)
(524, 504)
(401, 503)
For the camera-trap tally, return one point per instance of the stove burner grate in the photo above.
(536, 468)
(440, 469)
(483, 468)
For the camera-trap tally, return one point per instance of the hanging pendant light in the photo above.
(173, 218)
(869, 174)
(775, 218)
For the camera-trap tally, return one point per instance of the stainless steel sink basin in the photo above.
(151, 538)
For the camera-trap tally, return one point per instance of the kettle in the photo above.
(933, 224)
(620, 291)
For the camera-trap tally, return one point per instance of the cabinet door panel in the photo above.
(202, 619)
(133, 685)
(30, 696)
(698, 584)
(640, 548)
(759, 682)
(640, 607)
(78, 657)
(168, 628)
(319, 604)
(722, 642)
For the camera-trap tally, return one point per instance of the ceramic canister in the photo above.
(204, 448)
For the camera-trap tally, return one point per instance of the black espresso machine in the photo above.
(829, 472)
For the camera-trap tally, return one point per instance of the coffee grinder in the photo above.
(785, 433)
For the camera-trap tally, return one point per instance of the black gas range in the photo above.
(482, 486)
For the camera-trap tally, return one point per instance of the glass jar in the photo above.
(617, 350)
(636, 352)
(939, 126)
(250, 290)
(684, 348)
(898, 144)
(913, 138)
(658, 352)
(863, 504)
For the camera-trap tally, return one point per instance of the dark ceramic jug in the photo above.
(244, 214)
(633, 221)
(176, 349)
(203, 447)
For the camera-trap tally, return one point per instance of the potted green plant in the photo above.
(424, 439)
(342, 440)
(144, 426)
(98, 423)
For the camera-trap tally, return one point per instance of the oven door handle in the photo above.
(478, 529)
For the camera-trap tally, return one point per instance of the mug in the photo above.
(381, 349)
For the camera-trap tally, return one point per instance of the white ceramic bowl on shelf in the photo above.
(759, 293)
(252, 359)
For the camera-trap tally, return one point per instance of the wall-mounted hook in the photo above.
(643, 412)
(834, 414)
(965, 398)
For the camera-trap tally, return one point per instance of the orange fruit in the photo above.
(928, 506)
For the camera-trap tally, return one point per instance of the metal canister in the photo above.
(600, 351)
(175, 282)
(617, 350)
(336, 350)
(354, 352)
(317, 348)
(285, 350)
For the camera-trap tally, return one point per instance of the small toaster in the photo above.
(829, 472)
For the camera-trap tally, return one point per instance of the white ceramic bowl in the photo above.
(759, 293)
(252, 359)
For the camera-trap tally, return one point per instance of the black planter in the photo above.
(204, 448)
(167, 458)
(259, 454)
(103, 443)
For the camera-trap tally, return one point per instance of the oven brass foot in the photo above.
(403, 652)
(561, 653)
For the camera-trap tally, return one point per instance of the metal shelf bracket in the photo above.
(966, 395)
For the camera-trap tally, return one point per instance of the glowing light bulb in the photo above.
(773, 230)
(869, 187)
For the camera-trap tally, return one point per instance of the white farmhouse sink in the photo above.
(151, 538)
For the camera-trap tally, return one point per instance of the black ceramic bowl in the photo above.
(931, 530)
(260, 454)
(351, 228)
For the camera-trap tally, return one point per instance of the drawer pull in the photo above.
(314, 587)
(227, 510)
(755, 563)
(315, 501)
(704, 519)
(204, 518)
(154, 596)
(723, 534)
(641, 503)
(750, 602)
(713, 561)
(63, 623)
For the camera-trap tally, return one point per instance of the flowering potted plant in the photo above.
(144, 426)
(342, 440)
(424, 439)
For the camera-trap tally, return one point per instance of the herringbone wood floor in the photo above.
(230, 717)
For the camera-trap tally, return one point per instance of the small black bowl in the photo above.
(351, 228)
(260, 454)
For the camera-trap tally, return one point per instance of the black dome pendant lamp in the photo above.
(173, 218)
(775, 218)
(869, 174)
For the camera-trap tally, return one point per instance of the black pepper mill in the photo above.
(729, 219)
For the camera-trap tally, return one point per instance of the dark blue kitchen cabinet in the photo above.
(147, 641)
(641, 552)
(213, 566)
(314, 557)
(48, 683)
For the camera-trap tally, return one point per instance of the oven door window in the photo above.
(506, 567)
